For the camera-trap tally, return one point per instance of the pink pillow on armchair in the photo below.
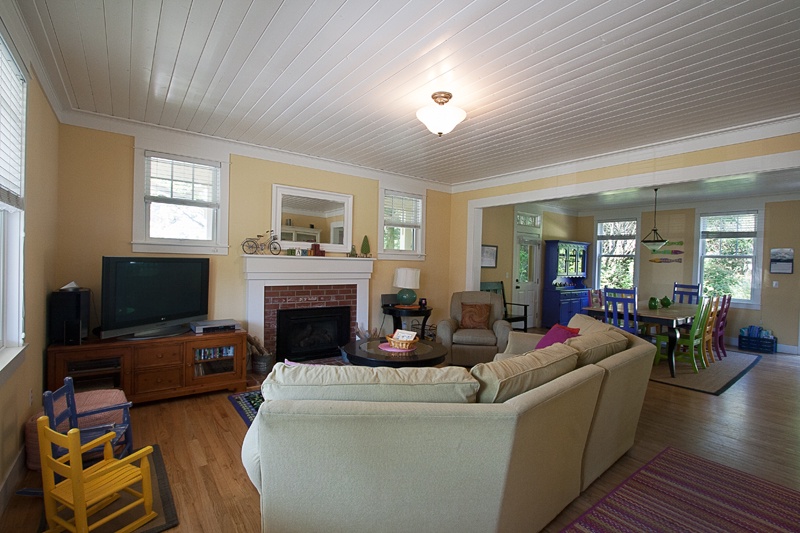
(557, 333)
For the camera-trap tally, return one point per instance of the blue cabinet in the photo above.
(565, 291)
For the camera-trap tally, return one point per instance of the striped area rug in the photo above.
(678, 491)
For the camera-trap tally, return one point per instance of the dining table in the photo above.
(672, 317)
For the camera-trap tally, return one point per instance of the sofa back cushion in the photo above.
(594, 347)
(587, 324)
(506, 378)
(380, 384)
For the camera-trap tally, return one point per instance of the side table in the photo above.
(397, 314)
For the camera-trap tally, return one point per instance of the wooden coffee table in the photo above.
(368, 353)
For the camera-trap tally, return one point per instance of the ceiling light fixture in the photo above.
(438, 118)
(654, 241)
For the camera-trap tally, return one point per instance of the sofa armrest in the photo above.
(501, 329)
(444, 331)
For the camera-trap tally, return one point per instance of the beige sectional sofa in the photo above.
(504, 446)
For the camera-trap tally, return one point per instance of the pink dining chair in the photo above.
(719, 326)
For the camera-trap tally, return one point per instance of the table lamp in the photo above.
(408, 280)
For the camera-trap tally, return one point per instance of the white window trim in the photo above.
(758, 248)
(396, 255)
(141, 244)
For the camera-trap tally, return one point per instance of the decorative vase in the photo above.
(652, 303)
(665, 302)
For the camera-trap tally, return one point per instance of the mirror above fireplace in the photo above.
(307, 216)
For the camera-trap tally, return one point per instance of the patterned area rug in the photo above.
(715, 379)
(247, 403)
(678, 491)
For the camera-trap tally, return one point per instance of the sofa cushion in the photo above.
(587, 324)
(557, 333)
(380, 384)
(506, 378)
(475, 316)
(594, 347)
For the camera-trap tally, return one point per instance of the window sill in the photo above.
(10, 360)
(401, 256)
(173, 248)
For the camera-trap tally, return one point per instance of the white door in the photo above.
(527, 256)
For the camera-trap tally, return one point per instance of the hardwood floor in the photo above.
(754, 426)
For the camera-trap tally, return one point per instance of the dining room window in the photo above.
(729, 255)
(616, 253)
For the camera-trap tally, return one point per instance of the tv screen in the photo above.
(152, 296)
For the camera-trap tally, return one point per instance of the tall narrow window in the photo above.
(402, 224)
(12, 189)
(728, 254)
(616, 253)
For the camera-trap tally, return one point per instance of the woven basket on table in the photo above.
(402, 345)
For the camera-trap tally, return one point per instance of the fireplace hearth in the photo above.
(312, 332)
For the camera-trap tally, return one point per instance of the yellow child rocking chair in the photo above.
(71, 499)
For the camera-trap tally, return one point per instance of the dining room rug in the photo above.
(679, 491)
(163, 504)
(715, 379)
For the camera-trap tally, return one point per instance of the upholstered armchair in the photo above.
(475, 331)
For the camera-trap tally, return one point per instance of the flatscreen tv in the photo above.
(147, 297)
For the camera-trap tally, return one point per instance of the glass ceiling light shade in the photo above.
(654, 240)
(438, 118)
(408, 280)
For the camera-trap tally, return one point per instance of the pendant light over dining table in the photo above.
(438, 118)
(654, 240)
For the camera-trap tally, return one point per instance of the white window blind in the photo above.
(12, 129)
(172, 180)
(402, 211)
(730, 226)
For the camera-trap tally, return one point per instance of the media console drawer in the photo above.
(159, 355)
(154, 369)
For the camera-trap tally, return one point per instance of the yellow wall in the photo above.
(40, 257)
(498, 230)
(657, 279)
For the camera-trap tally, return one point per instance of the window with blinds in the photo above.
(182, 198)
(402, 223)
(728, 254)
(12, 189)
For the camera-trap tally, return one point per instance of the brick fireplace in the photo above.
(284, 282)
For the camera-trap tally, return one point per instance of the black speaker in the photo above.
(69, 316)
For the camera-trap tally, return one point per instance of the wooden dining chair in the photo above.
(72, 499)
(719, 326)
(621, 308)
(708, 330)
(686, 294)
(689, 346)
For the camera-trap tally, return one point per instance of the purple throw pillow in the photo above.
(557, 333)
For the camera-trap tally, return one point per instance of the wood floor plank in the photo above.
(751, 427)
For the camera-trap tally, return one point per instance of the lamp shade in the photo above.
(406, 278)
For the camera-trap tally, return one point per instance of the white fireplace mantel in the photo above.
(283, 270)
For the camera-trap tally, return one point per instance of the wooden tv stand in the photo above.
(153, 369)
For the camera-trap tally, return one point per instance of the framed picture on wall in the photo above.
(488, 256)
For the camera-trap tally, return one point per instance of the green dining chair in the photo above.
(689, 345)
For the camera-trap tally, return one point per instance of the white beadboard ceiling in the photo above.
(542, 82)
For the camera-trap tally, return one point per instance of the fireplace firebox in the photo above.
(312, 332)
